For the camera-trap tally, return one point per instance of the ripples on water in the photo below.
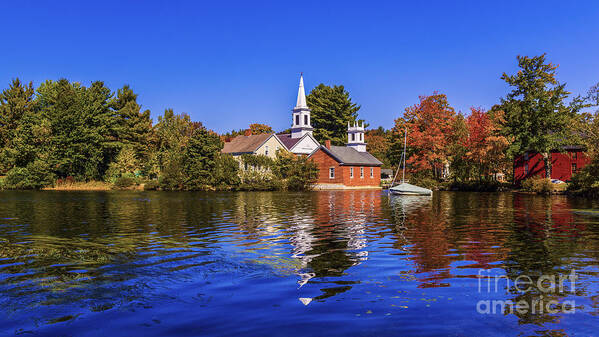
(321, 263)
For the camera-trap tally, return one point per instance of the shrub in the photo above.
(586, 181)
(226, 173)
(254, 180)
(477, 186)
(537, 185)
(35, 176)
(172, 177)
(296, 173)
(151, 185)
(124, 182)
(424, 181)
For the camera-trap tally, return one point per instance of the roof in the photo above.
(286, 139)
(246, 144)
(387, 172)
(349, 156)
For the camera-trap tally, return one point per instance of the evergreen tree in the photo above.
(79, 119)
(535, 113)
(16, 104)
(132, 128)
(332, 109)
(200, 158)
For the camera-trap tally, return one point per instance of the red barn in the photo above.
(346, 167)
(563, 164)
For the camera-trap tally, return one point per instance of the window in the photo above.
(526, 169)
(361, 172)
(351, 172)
(361, 137)
(332, 173)
(574, 155)
(305, 119)
(573, 168)
(353, 137)
(296, 119)
(372, 172)
(266, 150)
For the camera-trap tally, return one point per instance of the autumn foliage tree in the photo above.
(429, 124)
(257, 129)
(378, 144)
(485, 145)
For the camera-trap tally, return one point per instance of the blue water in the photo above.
(289, 264)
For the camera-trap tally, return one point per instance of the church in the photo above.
(340, 167)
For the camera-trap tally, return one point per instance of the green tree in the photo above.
(172, 134)
(586, 126)
(536, 116)
(16, 104)
(460, 168)
(226, 172)
(78, 119)
(125, 164)
(132, 127)
(332, 109)
(200, 158)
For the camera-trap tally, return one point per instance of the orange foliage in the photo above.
(429, 125)
(256, 129)
(485, 145)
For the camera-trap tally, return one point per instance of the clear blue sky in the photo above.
(231, 63)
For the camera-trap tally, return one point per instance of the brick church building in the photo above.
(348, 166)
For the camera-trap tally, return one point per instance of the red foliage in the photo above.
(485, 145)
(429, 125)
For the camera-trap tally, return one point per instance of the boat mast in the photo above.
(405, 140)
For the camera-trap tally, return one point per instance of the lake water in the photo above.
(311, 264)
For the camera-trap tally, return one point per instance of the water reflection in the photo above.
(73, 259)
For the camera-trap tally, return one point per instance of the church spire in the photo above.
(301, 94)
(300, 125)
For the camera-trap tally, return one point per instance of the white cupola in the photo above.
(300, 124)
(355, 136)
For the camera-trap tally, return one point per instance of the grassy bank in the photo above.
(81, 186)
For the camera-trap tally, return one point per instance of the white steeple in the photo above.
(300, 124)
(301, 95)
(355, 136)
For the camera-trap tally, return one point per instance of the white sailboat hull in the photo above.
(409, 189)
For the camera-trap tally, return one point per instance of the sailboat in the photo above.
(404, 188)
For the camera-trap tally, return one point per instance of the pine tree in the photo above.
(132, 128)
(332, 109)
(78, 119)
(16, 104)
(536, 116)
